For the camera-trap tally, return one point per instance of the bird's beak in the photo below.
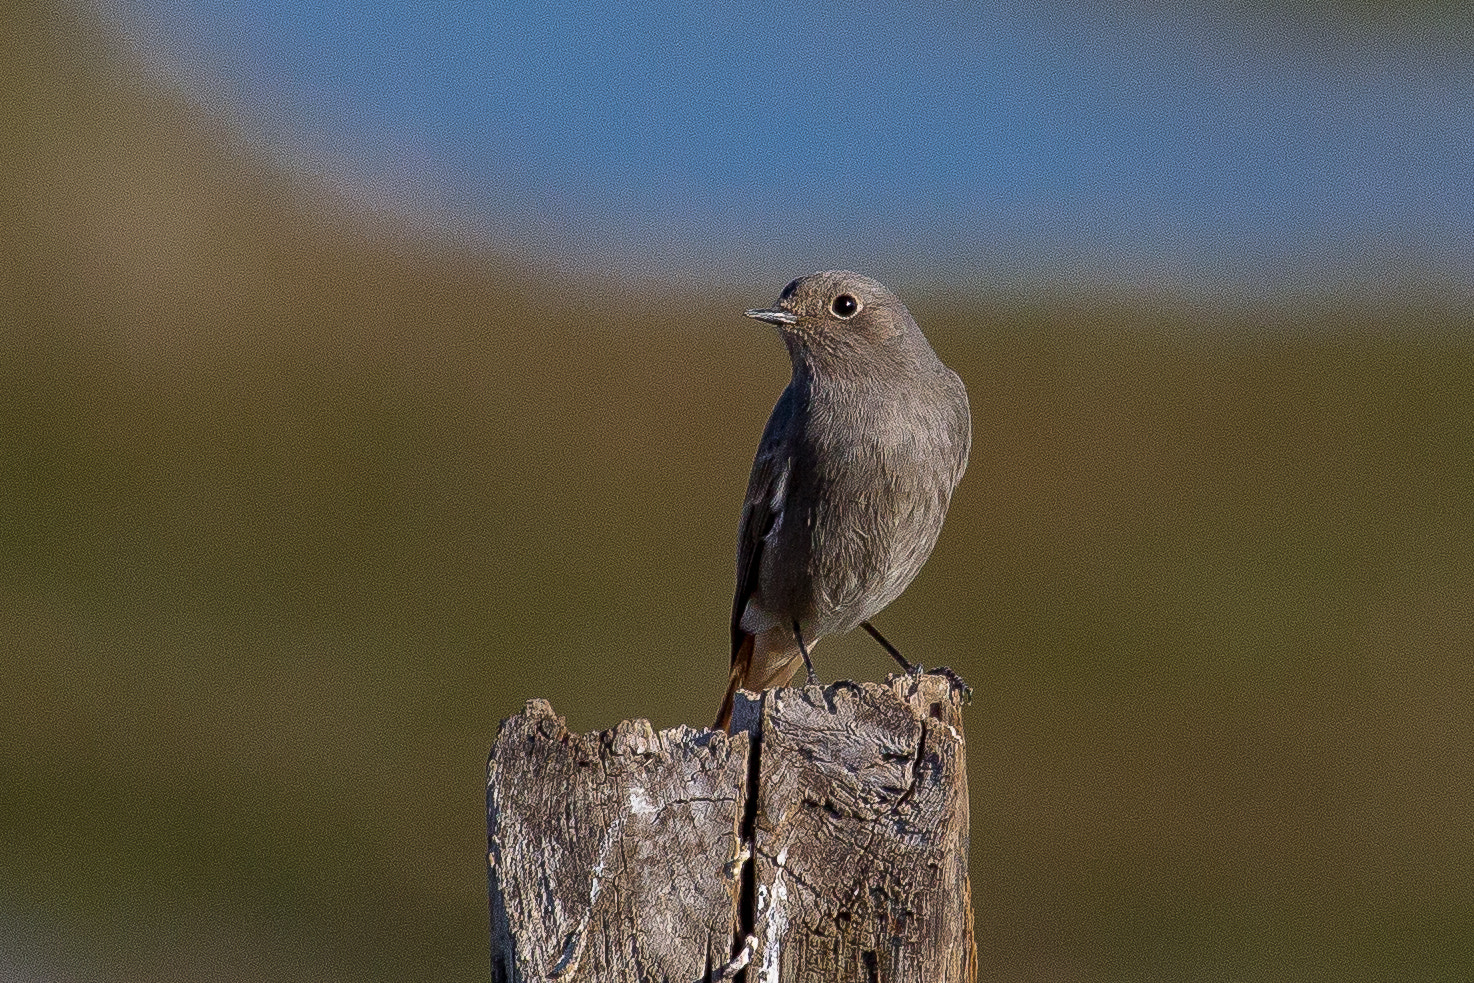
(773, 315)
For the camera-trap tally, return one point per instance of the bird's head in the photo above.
(843, 320)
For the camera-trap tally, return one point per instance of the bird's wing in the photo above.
(762, 509)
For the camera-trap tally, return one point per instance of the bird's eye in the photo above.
(845, 306)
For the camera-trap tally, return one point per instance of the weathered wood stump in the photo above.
(825, 839)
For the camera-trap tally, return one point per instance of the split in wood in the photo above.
(825, 838)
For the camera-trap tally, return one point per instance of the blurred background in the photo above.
(365, 374)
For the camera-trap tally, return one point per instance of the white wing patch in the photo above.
(777, 498)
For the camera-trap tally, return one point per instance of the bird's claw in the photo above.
(958, 683)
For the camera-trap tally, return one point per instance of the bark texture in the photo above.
(611, 855)
(862, 835)
(825, 840)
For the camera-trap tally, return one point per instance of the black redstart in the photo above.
(851, 480)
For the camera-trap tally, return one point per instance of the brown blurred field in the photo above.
(293, 509)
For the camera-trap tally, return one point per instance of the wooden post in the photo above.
(825, 840)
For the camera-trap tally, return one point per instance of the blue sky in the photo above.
(1018, 145)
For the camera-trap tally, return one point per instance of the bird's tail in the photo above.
(741, 660)
(760, 662)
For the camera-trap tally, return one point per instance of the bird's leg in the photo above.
(911, 669)
(916, 670)
(803, 650)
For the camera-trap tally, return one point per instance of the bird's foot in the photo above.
(958, 683)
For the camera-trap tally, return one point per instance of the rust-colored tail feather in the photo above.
(741, 660)
(761, 662)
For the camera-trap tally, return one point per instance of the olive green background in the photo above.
(294, 507)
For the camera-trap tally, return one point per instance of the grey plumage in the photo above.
(852, 477)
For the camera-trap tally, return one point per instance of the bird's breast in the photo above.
(879, 476)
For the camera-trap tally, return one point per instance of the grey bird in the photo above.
(852, 477)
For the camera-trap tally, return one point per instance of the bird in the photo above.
(851, 480)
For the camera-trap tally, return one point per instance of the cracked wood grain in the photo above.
(826, 839)
(861, 835)
(608, 852)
